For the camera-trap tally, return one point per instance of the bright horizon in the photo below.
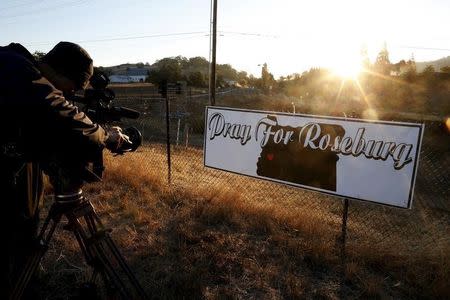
(289, 36)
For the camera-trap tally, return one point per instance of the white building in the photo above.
(120, 79)
(130, 75)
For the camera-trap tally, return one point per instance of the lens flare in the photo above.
(347, 71)
(370, 114)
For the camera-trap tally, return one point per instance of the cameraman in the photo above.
(39, 125)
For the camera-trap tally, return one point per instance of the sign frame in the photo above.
(420, 126)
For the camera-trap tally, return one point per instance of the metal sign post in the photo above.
(343, 241)
(344, 230)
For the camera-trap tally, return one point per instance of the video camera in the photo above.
(98, 102)
(98, 106)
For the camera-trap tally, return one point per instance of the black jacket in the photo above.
(42, 126)
(34, 110)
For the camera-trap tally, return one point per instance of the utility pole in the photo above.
(212, 75)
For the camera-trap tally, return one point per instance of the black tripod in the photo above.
(95, 242)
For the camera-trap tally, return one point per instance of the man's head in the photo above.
(67, 66)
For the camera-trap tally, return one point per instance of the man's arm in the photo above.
(51, 125)
(67, 115)
(78, 132)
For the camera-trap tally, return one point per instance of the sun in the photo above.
(344, 60)
(347, 68)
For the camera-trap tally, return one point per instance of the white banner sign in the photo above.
(360, 159)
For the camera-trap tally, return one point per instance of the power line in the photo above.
(424, 48)
(201, 33)
(250, 34)
(45, 9)
(19, 5)
(125, 38)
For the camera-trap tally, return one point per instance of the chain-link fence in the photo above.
(421, 230)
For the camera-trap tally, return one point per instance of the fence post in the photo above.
(169, 164)
(186, 134)
(178, 131)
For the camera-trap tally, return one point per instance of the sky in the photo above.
(291, 36)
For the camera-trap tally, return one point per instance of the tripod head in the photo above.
(72, 198)
(67, 178)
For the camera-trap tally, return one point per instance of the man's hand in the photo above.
(117, 142)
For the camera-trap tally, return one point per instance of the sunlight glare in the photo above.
(370, 114)
(347, 68)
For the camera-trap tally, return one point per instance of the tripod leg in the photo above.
(110, 271)
(93, 261)
(32, 264)
(97, 259)
(109, 243)
(101, 252)
(112, 246)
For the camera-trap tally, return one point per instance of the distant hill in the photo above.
(437, 64)
(125, 68)
(194, 70)
(191, 65)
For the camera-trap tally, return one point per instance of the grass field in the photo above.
(203, 237)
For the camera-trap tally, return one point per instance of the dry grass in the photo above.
(204, 239)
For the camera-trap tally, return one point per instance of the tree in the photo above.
(445, 69)
(365, 61)
(38, 55)
(166, 69)
(199, 64)
(242, 78)
(428, 70)
(268, 82)
(412, 63)
(382, 64)
(253, 81)
(410, 75)
(226, 71)
(406, 69)
(103, 70)
(428, 74)
(196, 79)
